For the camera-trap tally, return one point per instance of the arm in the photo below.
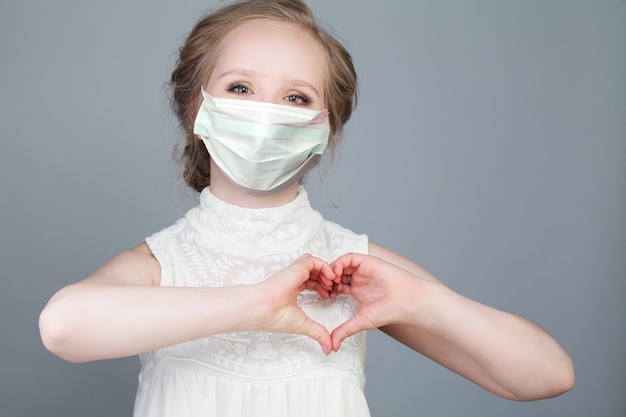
(504, 353)
(121, 310)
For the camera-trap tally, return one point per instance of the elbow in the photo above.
(56, 334)
(566, 379)
(562, 379)
(559, 381)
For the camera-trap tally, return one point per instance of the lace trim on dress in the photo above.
(258, 232)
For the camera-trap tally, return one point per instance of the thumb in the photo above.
(350, 327)
(318, 332)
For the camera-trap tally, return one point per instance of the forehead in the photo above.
(275, 48)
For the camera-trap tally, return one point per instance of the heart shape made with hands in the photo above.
(350, 274)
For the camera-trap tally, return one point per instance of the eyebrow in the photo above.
(291, 81)
(301, 83)
(236, 71)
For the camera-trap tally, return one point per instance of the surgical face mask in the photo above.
(261, 146)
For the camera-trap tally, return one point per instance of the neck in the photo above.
(224, 189)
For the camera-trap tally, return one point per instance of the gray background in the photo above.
(489, 146)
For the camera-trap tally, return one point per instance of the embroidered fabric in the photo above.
(219, 244)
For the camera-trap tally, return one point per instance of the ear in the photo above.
(198, 137)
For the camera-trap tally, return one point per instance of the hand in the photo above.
(282, 289)
(384, 292)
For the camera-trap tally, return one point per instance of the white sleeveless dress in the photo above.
(253, 373)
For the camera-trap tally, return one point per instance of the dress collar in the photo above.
(255, 232)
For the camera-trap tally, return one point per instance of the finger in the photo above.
(319, 269)
(321, 273)
(350, 327)
(315, 286)
(314, 279)
(345, 289)
(345, 264)
(344, 275)
(326, 283)
(318, 332)
(324, 271)
(341, 288)
(336, 290)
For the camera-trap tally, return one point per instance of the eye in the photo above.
(239, 89)
(298, 99)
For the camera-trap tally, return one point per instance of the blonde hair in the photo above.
(198, 58)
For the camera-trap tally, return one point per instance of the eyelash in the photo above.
(234, 87)
(304, 100)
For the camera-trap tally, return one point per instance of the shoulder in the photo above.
(332, 227)
(164, 243)
(342, 240)
(171, 232)
(137, 266)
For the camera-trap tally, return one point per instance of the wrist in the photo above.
(427, 300)
(240, 306)
(256, 307)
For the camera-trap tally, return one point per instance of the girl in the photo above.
(253, 304)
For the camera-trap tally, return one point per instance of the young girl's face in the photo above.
(272, 62)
